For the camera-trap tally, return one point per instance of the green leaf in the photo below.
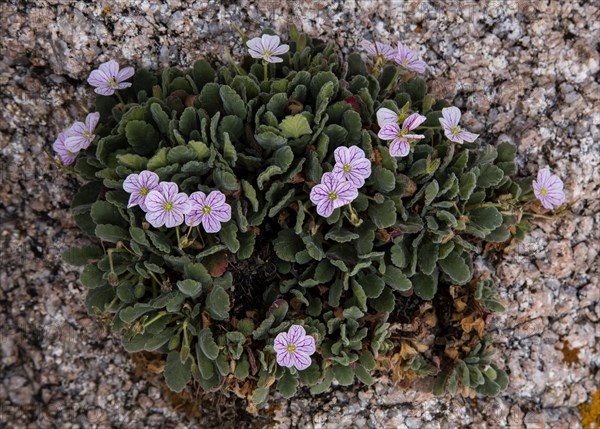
(177, 374)
(385, 302)
(197, 271)
(250, 194)
(489, 176)
(228, 236)
(383, 215)
(287, 385)
(217, 303)
(424, 286)
(467, 185)
(202, 73)
(92, 277)
(396, 279)
(343, 374)
(207, 344)
(486, 217)
(341, 235)
(232, 102)
(190, 287)
(132, 161)
(210, 98)
(456, 268)
(489, 388)
(269, 140)
(295, 126)
(431, 191)
(160, 118)
(82, 255)
(159, 160)
(225, 180)
(130, 314)
(287, 245)
(142, 137)
(363, 375)
(383, 180)
(111, 233)
(372, 285)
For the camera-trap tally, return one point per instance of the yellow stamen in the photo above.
(168, 206)
(144, 191)
(333, 196)
(206, 210)
(291, 348)
(347, 168)
(87, 134)
(455, 130)
(112, 82)
(544, 192)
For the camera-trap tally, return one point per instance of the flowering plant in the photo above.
(294, 219)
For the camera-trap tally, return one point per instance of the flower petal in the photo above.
(295, 334)
(280, 50)
(389, 132)
(325, 208)
(210, 224)
(386, 116)
(270, 42)
(468, 136)
(399, 148)
(125, 74)
(413, 121)
(452, 115)
(273, 59)
(285, 359)
(156, 218)
(301, 361)
(306, 345)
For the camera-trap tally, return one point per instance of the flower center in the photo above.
(112, 82)
(455, 130)
(291, 348)
(267, 53)
(168, 206)
(144, 191)
(347, 168)
(87, 134)
(405, 62)
(544, 192)
(206, 210)
(333, 196)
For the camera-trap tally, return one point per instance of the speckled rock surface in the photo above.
(525, 71)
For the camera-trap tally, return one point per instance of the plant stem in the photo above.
(266, 67)
(120, 98)
(154, 319)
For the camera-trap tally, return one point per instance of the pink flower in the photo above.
(211, 211)
(107, 78)
(408, 59)
(381, 50)
(449, 122)
(401, 137)
(266, 48)
(65, 155)
(386, 116)
(331, 194)
(139, 186)
(548, 188)
(80, 135)
(166, 205)
(351, 165)
(294, 348)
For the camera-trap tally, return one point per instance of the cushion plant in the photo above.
(295, 219)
